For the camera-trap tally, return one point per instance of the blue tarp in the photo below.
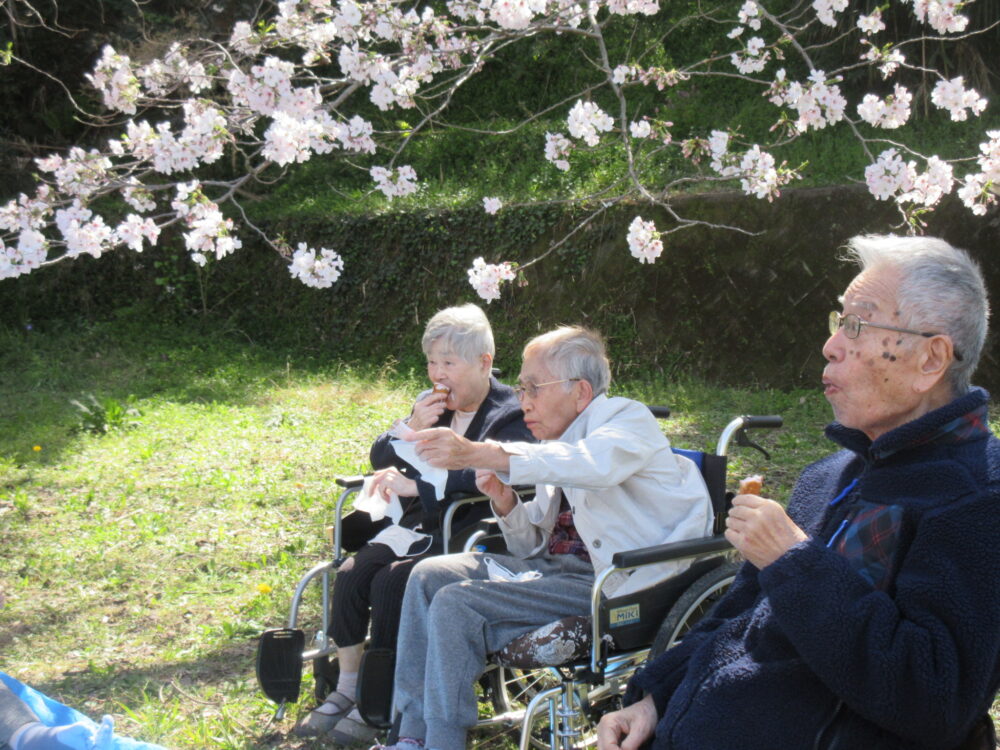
(52, 713)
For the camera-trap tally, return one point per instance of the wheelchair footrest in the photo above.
(279, 663)
(375, 684)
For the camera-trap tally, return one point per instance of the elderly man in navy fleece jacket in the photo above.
(868, 615)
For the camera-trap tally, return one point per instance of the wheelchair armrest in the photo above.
(455, 501)
(351, 486)
(631, 559)
(672, 551)
(354, 482)
(660, 412)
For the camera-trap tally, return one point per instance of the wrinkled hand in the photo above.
(761, 529)
(501, 494)
(427, 411)
(389, 480)
(444, 448)
(629, 728)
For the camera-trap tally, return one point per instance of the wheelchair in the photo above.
(550, 685)
(282, 652)
(567, 674)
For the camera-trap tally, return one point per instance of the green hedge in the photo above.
(733, 307)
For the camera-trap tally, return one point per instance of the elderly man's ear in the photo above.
(933, 363)
(584, 394)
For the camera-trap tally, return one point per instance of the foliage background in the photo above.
(728, 307)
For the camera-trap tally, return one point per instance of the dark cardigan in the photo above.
(880, 631)
(498, 417)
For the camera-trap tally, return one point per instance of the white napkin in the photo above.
(373, 504)
(498, 572)
(434, 476)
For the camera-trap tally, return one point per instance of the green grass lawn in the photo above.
(138, 565)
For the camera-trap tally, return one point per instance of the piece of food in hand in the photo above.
(751, 485)
(441, 388)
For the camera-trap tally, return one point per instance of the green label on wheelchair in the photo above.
(623, 616)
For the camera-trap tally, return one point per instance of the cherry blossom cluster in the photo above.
(113, 77)
(942, 15)
(395, 183)
(827, 10)
(202, 140)
(209, 232)
(643, 240)
(79, 174)
(887, 58)
(557, 148)
(756, 169)
(319, 272)
(953, 96)
(888, 113)
(587, 120)
(753, 58)
(891, 177)
(288, 88)
(980, 190)
(655, 76)
(486, 278)
(818, 104)
(631, 7)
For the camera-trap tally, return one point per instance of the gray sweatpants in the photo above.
(14, 714)
(453, 616)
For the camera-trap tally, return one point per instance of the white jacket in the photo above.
(626, 488)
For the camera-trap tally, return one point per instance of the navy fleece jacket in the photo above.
(880, 631)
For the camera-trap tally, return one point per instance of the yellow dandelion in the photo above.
(263, 588)
(36, 448)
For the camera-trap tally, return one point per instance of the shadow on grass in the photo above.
(43, 371)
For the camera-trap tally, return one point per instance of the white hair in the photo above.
(463, 331)
(941, 290)
(574, 352)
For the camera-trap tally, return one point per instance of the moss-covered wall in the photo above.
(735, 307)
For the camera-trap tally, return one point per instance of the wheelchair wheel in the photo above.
(511, 689)
(693, 604)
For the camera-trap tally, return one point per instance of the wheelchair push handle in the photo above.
(737, 429)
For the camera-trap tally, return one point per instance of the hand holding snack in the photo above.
(428, 410)
(751, 485)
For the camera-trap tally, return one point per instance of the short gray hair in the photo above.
(941, 289)
(574, 352)
(463, 331)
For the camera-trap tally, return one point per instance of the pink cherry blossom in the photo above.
(486, 278)
(644, 240)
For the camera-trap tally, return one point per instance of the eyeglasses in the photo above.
(531, 389)
(852, 325)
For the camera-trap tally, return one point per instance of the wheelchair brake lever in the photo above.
(742, 439)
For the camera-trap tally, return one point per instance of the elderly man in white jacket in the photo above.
(606, 480)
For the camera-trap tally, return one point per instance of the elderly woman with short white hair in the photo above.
(465, 397)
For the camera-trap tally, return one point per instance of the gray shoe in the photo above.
(352, 731)
(322, 719)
